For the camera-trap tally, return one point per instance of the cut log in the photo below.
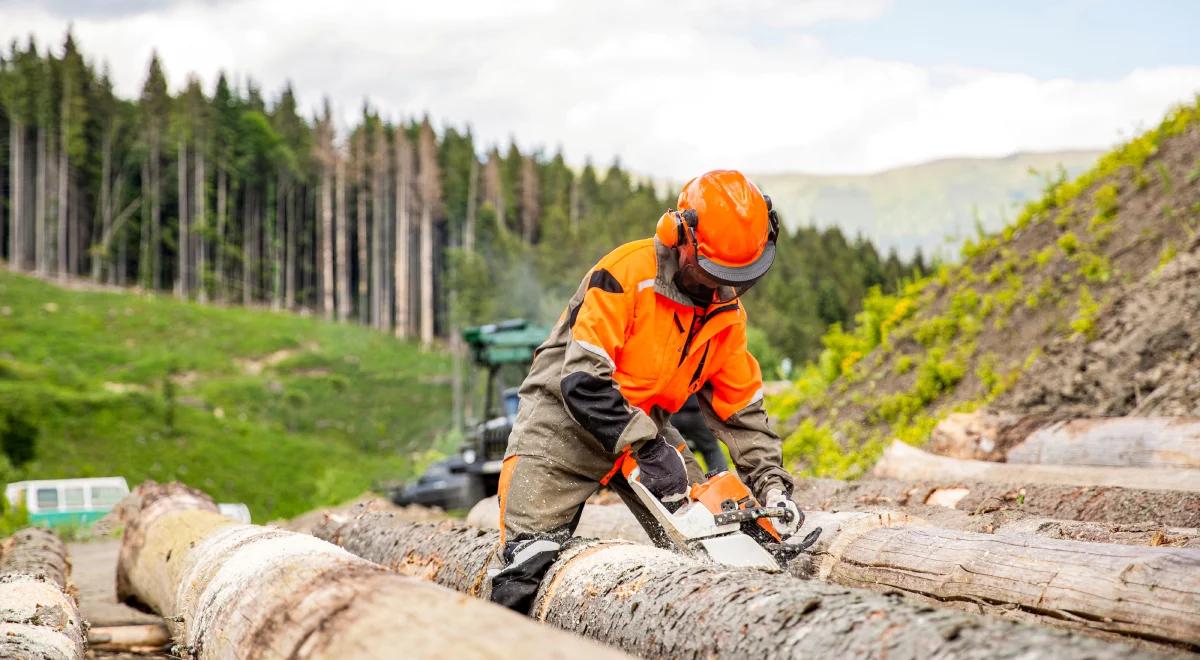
(126, 638)
(902, 461)
(598, 521)
(1146, 442)
(1123, 506)
(1148, 592)
(654, 603)
(233, 590)
(1149, 534)
(981, 434)
(38, 616)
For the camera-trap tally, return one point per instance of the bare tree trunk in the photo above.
(426, 275)
(326, 282)
(41, 618)
(343, 244)
(275, 245)
(201, 224)
(16, 208)
(404, 184)
(62, 202)
(248, 259)
(903, 461)
(291, 244)
(156, 259)
(360, 199)
(1145, 442)
(219, 239)
(102, 256)
(378, 179)
(41, 246)
(472, 206)
(654, 603)
(229, 590)
(1108, 504)
(1148, 533)
(182, 284)
(143, 264)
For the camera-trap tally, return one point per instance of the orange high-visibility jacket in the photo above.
(631, 348)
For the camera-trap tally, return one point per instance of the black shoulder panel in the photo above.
(604, 280)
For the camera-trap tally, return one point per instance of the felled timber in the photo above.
(654, 603)
(129, 638)
(233, 590)
(1107, 504)
(903, 461)
(1147, 592)
(1150, 534)
(1145, 442)
(38, 616)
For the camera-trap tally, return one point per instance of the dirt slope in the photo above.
(1087, 303)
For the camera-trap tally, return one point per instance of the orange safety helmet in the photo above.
(728, 222)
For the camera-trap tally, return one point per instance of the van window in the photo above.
(47, 498)
(106, 495)
(73, 497)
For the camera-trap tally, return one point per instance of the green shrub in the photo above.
(1068, 243)
(1084, 323)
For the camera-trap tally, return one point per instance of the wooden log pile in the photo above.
(39, 617)
(654, 603)
(234, 590)
(905, 462)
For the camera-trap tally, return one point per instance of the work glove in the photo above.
(662, 471)
(776, 497)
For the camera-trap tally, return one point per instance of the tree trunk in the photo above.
(1106, 504)
(1146, 592)
(472, 206)
(219, 239)
(183, 251)
(326, 283)
(41, 618)
(654, 603)
(426, 274)
(248, 260)
(1144, 442)
(343, 244)
(143, 262)
(101, 256)
(156, 259)
(275, 245)
(1149, 533)
(201, 224)
(360, 237)
(378, 179)
(62, 255)
(404, 183)
(40, 243)
(903, 461)
(230, 590)
(16, 208)
(291, 244)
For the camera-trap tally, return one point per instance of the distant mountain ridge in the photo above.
(931, 206)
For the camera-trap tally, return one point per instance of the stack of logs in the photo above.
(933, 557)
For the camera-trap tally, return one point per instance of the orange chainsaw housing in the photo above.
(712, 493)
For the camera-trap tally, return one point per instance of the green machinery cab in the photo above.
(66, 502)
(504, 352)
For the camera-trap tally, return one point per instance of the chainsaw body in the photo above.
(722, 521)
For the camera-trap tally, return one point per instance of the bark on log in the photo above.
(1147, 592)
(124, 638)
(1124, 506)
(903, 461)
(598, 521)
(234, 590)
(38, 617)
(1149, 534)
(654, 603)
(1146, 442)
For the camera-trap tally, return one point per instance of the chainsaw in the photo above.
(722, 522)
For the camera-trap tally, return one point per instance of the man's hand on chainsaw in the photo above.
(662, 472)
(776, 497)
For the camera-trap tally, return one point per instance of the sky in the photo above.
(676, 88)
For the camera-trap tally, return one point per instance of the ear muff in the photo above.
(670, 230)
(772, 220)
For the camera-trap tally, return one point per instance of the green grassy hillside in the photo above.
(963, 337)
(281, 412)
(932, 206)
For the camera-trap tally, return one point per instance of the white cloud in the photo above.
(672, 88)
